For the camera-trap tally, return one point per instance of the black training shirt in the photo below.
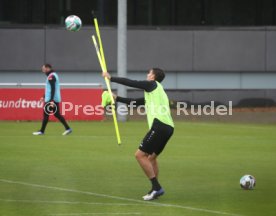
(145, 85)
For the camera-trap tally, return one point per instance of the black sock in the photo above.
(155, 184)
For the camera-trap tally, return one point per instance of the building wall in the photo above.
(189, 50)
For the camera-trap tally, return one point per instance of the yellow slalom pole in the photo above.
(104, 68)
(100, 42)
(102, 52)
(109, 90)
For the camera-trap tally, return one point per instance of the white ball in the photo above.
(247, 182)
(73, 23)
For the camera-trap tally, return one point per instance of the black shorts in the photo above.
(157, 138)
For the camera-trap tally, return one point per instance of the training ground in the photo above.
(87, 173)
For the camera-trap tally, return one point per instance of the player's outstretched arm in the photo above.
(144, 85)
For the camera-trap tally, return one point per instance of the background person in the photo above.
(52, 98)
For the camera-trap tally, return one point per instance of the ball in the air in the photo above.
(247, 182)
(73, 23)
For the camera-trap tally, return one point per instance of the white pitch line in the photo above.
(95, 213)
(118, 198)
(53, 136)
(70, 202)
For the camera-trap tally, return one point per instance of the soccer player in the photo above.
(52, 98)
(161, 126)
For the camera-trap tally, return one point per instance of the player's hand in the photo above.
(106, 75)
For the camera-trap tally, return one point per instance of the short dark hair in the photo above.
(48, 66)
(159, 74)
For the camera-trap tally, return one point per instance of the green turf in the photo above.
(200, 170)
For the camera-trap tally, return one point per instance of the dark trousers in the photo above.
(52, 110)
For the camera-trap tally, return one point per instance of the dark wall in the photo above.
(143, 12)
